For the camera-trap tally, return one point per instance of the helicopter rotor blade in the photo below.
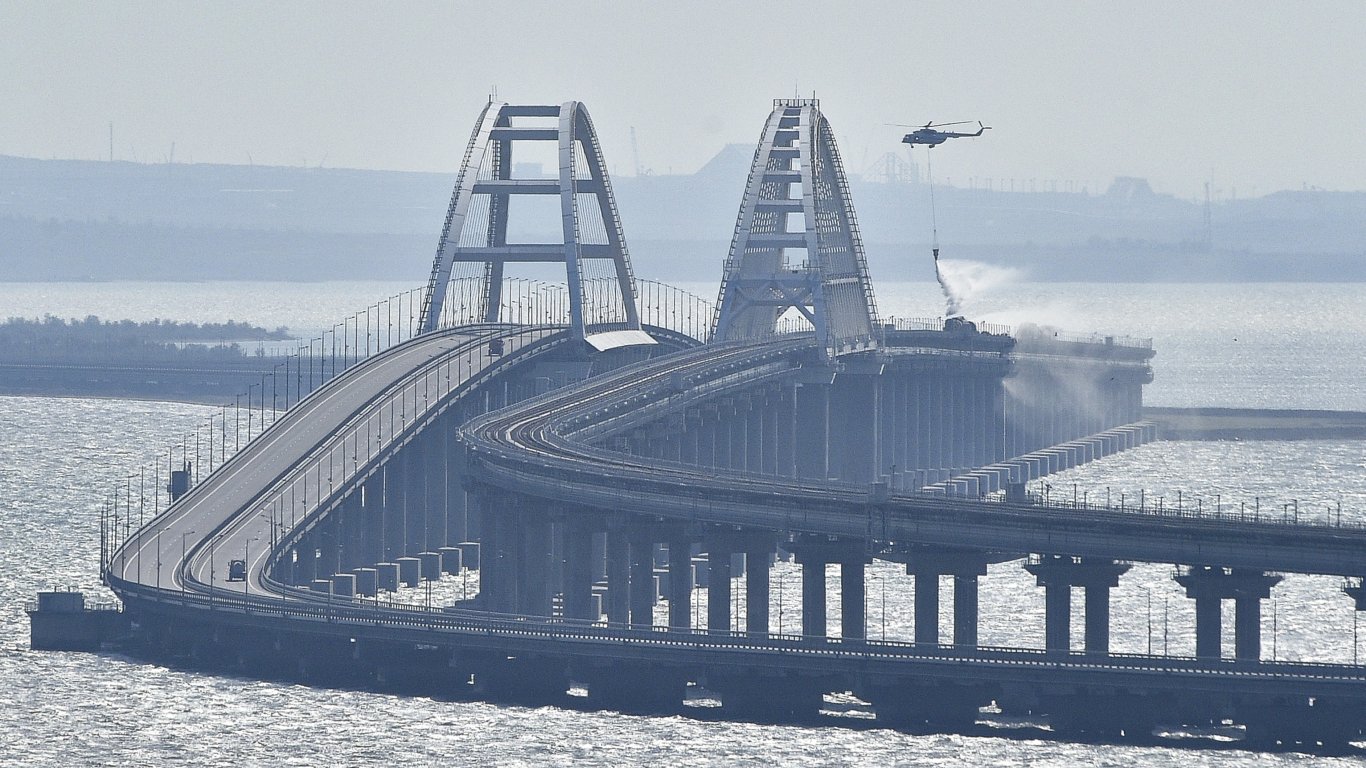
(946, 125)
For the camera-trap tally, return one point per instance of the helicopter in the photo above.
(930, 136)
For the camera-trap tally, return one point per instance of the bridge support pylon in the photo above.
(1057, 574)
(926, 566)
(1209, 587)
(797, 244)
(476, 241)
(813, 554)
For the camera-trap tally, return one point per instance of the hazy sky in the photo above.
(1257, 95)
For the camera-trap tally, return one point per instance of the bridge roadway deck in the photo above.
(324, 440)
(342, 424)
(541, 448)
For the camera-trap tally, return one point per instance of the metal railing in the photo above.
(372, 613)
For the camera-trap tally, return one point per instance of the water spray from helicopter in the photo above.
(930, 137)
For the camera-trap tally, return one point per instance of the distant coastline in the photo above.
(154, 360)
(68, 220)
(1256, 424)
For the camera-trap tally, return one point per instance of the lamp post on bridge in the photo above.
(1148, 593)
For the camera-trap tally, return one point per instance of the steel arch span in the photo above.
(475, 241)
(797, 243)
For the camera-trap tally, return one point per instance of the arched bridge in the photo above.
(589, 455)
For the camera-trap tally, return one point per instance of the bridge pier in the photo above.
(783, 417)
(737, 428)
(372, 505)
(351, 532)
(722, 440)
(813, 594)
(680, 584)
(853, 600)
(926, 566)
(456, 511)
(813, 554)
(1209, 587)
(719, 551)
(642, 578)
(758, 564)
(533, 576)
(394, 533)
(576, 564)
(1057, 574)
(500, 553)
(812, 402)
(436, 508)
(618, 557)
(853, 429)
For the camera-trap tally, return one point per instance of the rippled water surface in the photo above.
(58, 457)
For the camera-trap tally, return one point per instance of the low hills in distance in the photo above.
(70, 220)
(53, 339)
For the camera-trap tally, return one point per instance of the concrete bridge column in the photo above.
(723, 421)
(997, 444)
(395, 533)
(813, 553)
(718, 585)
(533, 577)
(926, 566)
(414, 497)
(965, 609)
(434, 475)
(955, 432)
(499, 556)
(680, 583)
(813, 595)
(1209, 587)
(917, 425)
(926, 607)
(758, 562)
(739, 434)
(708, 430)
(688, 450)
(1057, 574)
(783, 416)
(372, 510)
(986, 410)
(457, 529)
(642, 591)
(576, 562)
(618, 556)
(756, 447)
(938, 422)
(329, 549)
(350, 532)
(812, 431)
(853, 600)
(853, 427)
(889, 428)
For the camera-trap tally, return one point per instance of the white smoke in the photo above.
(955, 304)
(963, 281)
